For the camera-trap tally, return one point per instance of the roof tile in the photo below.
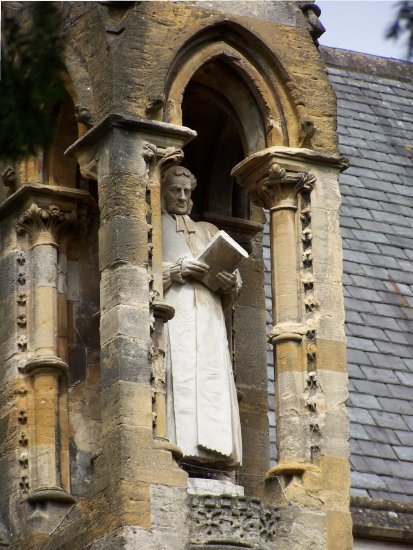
(388, 420)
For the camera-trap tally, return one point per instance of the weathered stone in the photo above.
(126, 358)
(143, 70)
(123, 239)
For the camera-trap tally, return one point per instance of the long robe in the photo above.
(202, 401)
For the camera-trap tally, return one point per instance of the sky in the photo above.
(360, 26)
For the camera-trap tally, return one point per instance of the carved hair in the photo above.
(172, 171)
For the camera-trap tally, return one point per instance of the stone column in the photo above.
(124, 155)
(46, 224)
(276, 188)
(299, 188)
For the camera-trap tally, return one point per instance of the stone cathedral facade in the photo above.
(238, 94)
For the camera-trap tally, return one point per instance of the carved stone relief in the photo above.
(236, 521)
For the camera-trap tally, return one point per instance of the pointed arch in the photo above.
(260, 90)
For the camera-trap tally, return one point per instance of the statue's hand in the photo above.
(228, 281)
(193, 268)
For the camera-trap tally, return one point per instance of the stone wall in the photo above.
(85, 457)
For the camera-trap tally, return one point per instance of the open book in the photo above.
(221, 254)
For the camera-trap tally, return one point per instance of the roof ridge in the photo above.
(367, 63)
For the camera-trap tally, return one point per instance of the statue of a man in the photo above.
(202, 401)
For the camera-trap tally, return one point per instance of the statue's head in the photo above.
(177, 184)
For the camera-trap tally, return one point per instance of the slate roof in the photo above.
(375, 127)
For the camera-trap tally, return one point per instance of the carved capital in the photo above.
(52, 224)
(272, 181)
(280, 188)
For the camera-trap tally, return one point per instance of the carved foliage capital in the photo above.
(273, 180)
(280, 186)
(52, 224)
(159, 159)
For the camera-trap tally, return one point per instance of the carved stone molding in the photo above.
(232, 522)
(151, 137)
(273, 183)
(51, 224)
(287, 331)
(163, 310)
(48, 364)
(50, 494)
(312, 13)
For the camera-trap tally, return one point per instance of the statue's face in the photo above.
(177, 194)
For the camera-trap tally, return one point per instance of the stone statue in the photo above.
(203, 416)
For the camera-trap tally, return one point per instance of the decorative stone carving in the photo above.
(311, 351)
(22, 343)
(307, 235)
(8, 177)
(21, 278)
(307, 257)
(23, 439)
(311, 334)
(287, 331)
(51, 222)
(305, 215)
(24, 484)
(21, 299)
(24, 461)
(310, 303)
(314, 427)
(22, 418)
(50, 226)
(21, 320)
(312, 13)
(281, 185)
(236, 521)
(307, 131)
(83, 115)
(21, 258)
(308, 281)
(311, 380)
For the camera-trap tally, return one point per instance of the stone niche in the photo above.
(216, 102)
(238, 96)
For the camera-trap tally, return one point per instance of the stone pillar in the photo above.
(47, 224)
(124, 154)
(299, 188)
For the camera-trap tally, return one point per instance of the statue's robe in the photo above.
(202, 402)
